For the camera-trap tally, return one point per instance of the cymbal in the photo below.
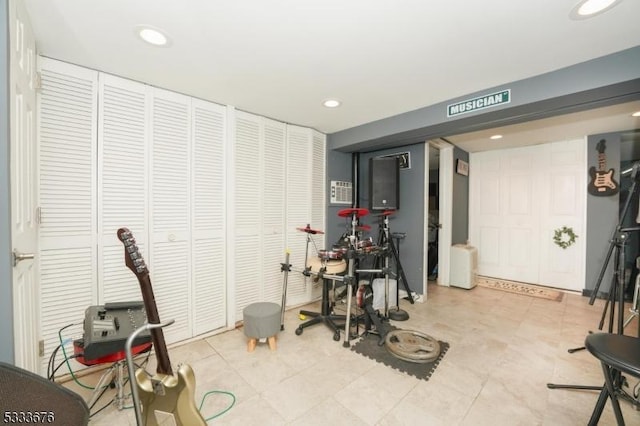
(363, 228)
(387, 213)
(309, 230)
(359, 212)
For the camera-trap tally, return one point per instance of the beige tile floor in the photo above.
(504, 349)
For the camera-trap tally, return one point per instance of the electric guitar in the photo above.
(602, 181)
(167, 398)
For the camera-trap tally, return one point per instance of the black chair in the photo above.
(618, 354)
(28, 398)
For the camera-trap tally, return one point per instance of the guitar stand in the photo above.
(117, 370)
(371, 317)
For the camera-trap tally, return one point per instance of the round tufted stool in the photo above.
(261, 320)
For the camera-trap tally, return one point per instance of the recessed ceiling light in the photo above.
(589, 8)
(153, 36)
(331, 103)
(636, 114)
(494, 137)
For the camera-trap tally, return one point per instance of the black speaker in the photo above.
(384, 183)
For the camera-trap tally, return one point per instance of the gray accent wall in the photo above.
(460, 201)
(409, 218)
(338, 168)
(6, 280)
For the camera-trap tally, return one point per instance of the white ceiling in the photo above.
(282, 58)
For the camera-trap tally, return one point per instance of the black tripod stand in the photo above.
(385, 242)
(617, 243)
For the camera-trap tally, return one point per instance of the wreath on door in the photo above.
(564, 237)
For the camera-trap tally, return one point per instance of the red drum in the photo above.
(371, 250)
(363, 244)
(329, 255)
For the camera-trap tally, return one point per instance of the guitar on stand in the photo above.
(166, 398)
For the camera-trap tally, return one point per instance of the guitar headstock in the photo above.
(601, 146)
(132, 257)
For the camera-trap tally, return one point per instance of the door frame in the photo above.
(445, 210)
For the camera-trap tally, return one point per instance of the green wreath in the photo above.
(564, 237)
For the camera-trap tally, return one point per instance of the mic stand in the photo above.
(616, 290)
(398, 314)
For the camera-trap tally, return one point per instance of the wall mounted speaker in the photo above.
(384, 183)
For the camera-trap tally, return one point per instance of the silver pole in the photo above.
(286, 267)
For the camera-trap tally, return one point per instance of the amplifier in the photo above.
(106, 329)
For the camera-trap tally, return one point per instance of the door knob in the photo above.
(17, 257)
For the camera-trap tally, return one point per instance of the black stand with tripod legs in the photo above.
(617, 243)
(385, 242)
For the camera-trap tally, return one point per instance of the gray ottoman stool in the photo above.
(261, 321)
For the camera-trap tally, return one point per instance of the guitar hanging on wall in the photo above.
(602, 182)
(167, 398)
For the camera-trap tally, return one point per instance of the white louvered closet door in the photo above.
(300, 210)
(122, 182)
(67, 173)
(273, 210)
(208, 215)
(247, 174)
(170, 258)
(318, 181)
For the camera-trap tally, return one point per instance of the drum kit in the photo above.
(340, 264)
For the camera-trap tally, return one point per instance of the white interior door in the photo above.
(24, 188)
(518, 197)
(562, 202)
(505, 211)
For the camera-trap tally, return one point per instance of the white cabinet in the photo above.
(464, 264)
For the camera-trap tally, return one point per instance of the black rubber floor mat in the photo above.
(368, 346)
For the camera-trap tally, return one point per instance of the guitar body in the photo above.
(602, 183)
(169, 399)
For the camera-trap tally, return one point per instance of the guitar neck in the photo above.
(602, 162)
(157, 336)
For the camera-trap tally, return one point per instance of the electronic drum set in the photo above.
(341, 264)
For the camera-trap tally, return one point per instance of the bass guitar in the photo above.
(167, 398)
(602, 181)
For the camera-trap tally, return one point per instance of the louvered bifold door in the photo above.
(208, 215)
(67, 173)
(170, 258)
(122, 182)
(318, 180)
(247, 175)
(299, 210)
(273, 210)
